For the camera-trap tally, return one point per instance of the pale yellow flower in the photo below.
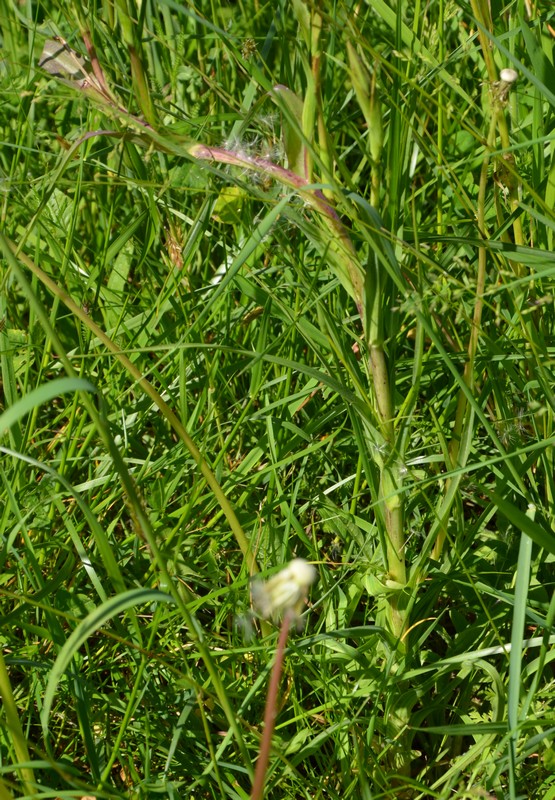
(284, 592)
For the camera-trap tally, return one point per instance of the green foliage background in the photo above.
(132, 665)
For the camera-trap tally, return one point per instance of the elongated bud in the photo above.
(367, 96)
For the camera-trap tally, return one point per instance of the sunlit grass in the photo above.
(277, 284)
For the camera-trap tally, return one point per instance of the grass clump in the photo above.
(277, 283)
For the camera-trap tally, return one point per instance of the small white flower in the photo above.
(284, 592)
(508, 75)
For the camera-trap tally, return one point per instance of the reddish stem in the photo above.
(270, 711)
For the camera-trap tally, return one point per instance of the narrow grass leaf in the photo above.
(542, 536)
(41, 395)
(515, 661)
(86, 628)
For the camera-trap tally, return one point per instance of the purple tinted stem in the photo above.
(270, 711)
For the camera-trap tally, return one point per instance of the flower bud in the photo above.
(508, 75)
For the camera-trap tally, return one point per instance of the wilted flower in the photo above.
(284, 592)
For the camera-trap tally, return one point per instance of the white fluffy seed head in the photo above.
(508, 75)
(302, 572)
(284, 592)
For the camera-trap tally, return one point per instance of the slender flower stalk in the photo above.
(270, 711)
(283, 595)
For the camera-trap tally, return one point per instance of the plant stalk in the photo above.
(270, 711)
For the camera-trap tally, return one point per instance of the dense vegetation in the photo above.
(277, 282)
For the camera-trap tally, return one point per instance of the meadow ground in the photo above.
(277, 283)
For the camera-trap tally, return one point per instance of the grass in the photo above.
(277, 282)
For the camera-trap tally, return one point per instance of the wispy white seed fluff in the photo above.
(284, 592)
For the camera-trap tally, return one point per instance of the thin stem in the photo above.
(270, 711)
(482, 13)
(440, 123)
(457, 457)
